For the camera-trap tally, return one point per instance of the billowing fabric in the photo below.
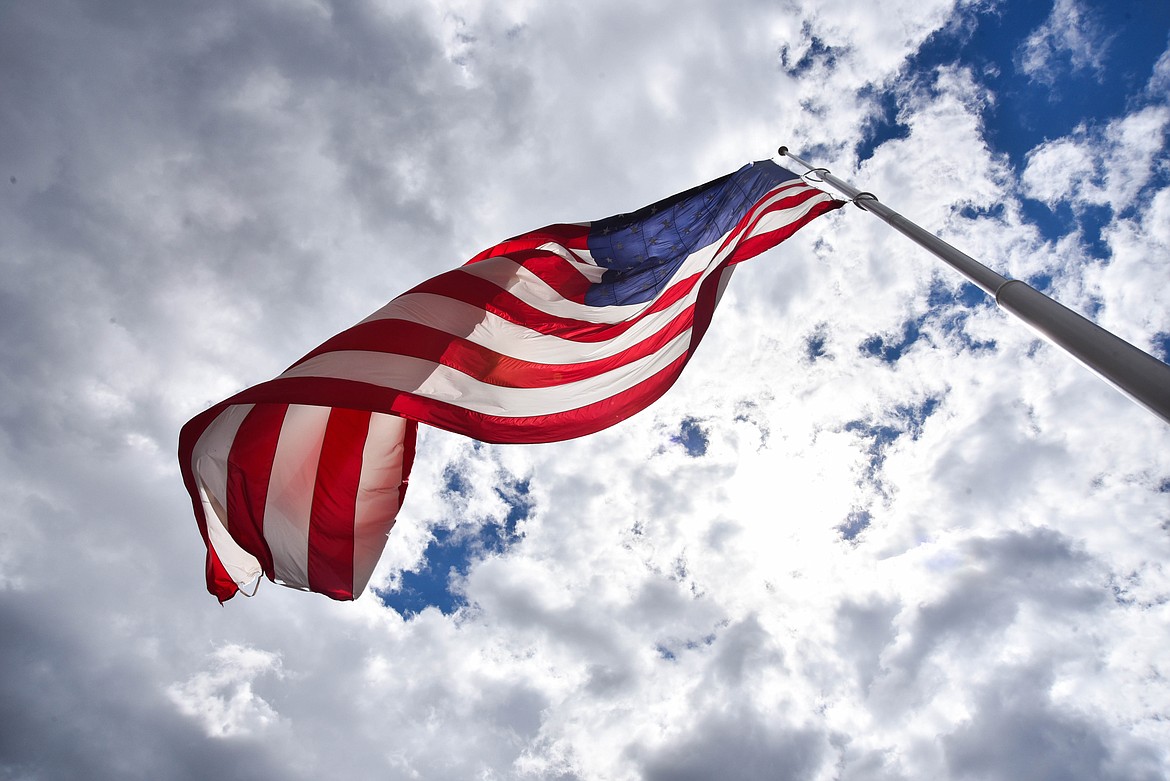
(551, 335)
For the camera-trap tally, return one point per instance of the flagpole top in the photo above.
(783, 151)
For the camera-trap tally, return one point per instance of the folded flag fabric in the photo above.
(554, 334)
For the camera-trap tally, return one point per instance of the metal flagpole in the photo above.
(1135, 373)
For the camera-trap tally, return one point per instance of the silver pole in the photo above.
(1135, 373)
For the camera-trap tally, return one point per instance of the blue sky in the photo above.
(878, 530)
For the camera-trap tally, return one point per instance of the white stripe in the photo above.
(784, 217)
(532, 290)
(517, 341)
(426, 378)
(209, 465)
(378, 491)
(582, 260)
(508, 275)
(290, 492)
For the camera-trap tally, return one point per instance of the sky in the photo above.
(878, 530)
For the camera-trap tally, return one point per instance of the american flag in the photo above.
(551, 335)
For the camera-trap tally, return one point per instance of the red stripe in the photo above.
(571, 236)
(334, 496)
(418, 341)
(556, 272)
(792, 202)
(409, 438)
(403, 337)
(249, 469)
(461, 286)
(753, 246)
(219, 582)
(554, 427)
(755, 214)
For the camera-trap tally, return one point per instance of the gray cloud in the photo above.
(738, 744)
(72, 708)
(1033, 739)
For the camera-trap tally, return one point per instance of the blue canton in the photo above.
(642, 250)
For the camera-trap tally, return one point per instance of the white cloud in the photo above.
(203, 193)
(1104, 168)
(1069, 31)
(1161, 76)
(222, 699)
(1129, 284)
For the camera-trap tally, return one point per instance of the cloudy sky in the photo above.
(877, 530)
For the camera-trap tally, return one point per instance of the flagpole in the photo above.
(1134, 372)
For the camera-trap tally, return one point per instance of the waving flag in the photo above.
(551, 335)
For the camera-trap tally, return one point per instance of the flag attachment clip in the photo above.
(863, 196)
